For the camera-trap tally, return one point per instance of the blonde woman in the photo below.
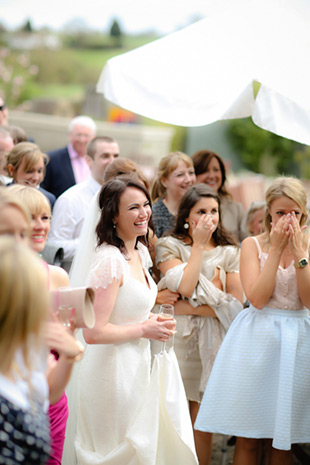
(14, 217)
(26, 164)
(175, 176)
(63, 343)
(24, 305)
(259, 385)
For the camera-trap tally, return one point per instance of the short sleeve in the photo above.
(166, 249)
(232, 259)
(108, 264)
(145, 256)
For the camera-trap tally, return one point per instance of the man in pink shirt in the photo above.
(68, 166)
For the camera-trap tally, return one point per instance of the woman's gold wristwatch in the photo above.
(301, 263)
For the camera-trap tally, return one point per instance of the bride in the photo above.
(114, 376)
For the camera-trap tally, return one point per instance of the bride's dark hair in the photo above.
(221, 235)
(109, 199)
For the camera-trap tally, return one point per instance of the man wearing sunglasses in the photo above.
(4, 113)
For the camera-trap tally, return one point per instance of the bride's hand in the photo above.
(158, 330)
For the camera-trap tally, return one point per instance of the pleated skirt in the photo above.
(259, 386)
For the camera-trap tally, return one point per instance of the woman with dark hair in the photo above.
(210, 170)
(200, 261)
(115, 372)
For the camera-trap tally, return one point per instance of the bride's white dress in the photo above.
(126, 413)
(113, 377)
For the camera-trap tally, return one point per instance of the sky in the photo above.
(134, 16)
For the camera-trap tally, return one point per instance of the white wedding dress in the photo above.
(113, 377)
(123, 414)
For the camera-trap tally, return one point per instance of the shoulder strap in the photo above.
(257, 245)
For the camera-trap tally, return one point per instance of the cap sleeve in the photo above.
(108, 265)
(145, 256)
(167, 249)
(232, 259)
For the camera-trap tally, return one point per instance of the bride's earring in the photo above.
(114, 226)
(186, 225)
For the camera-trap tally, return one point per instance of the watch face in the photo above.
(303, 262)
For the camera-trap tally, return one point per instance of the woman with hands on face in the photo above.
(200, 261)
(266, 350)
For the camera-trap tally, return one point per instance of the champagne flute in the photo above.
(66, 316)
(166, 312)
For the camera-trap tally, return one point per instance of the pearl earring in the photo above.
(186, 225)
(114, 225)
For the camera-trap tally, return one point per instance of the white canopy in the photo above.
(205, 72)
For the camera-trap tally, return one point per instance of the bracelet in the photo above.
(79, 356)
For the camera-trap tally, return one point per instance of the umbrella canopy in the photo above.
(205, 72)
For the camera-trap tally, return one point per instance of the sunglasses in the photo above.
(2, 107)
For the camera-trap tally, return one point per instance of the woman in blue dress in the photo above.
(260, 383)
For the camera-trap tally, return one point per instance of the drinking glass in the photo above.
(66, 316)
(166, 312)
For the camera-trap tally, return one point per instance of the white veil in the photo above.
(79, 277)
(87, 244)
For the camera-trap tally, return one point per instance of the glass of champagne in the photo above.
(166, 312)
(66, 316)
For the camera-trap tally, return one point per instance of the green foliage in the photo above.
(264, 152)
(27, 26)
(115, 30)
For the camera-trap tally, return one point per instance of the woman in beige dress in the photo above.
(200, 261)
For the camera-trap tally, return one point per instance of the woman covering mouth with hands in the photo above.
(210, 170)
(200, 261)
(259, 385)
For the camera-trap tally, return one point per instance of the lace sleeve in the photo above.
(108, 264)
(145, 256)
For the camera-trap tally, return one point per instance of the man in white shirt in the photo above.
(71, 207)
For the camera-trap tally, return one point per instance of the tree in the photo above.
(116, 33)
(264, 152)
(27, 26)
